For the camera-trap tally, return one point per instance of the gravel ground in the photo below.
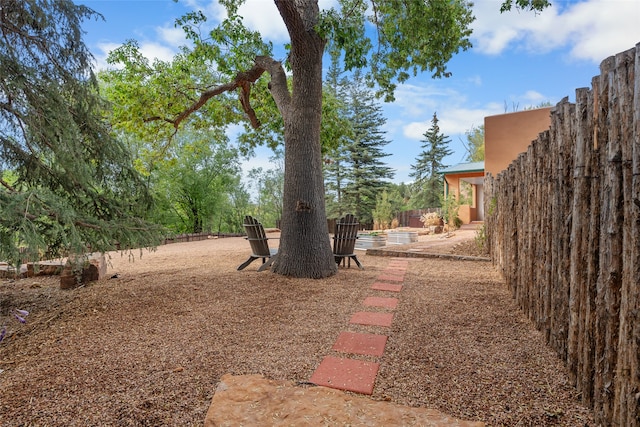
(148, 348)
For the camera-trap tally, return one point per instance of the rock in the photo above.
(9, 272)
(45, 268)
(94, 268)
(256, 401)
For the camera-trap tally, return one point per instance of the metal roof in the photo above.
(464, 167)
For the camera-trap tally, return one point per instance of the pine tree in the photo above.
(427, 184)
(65, 183)
(367, 173)
(335, 138)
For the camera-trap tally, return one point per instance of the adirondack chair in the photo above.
(344, 240)
(259, 245)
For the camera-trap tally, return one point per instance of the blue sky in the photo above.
(518, 60)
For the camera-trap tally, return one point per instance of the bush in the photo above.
(430, 219)
(450, 206)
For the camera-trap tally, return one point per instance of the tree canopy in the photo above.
(391, 41)
(66, 184)
(475, 144)
(230, 59)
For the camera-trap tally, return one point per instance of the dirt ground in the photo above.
(149, 346)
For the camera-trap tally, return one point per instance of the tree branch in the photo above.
(242, 81)
(8, 186)
(278, 85)
(204, 97)
(246, 105)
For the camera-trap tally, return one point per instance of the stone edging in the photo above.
(405, 254)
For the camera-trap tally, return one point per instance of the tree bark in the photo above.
(305, 248)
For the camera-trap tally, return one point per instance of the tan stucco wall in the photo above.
(507, 135)
(467, 213)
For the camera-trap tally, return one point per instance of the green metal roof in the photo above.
(464, 167)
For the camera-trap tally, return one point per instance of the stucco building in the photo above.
(505, 136)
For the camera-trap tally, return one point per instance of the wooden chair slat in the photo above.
(344, 240)
(258, 241)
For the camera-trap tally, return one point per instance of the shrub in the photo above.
(430, 219)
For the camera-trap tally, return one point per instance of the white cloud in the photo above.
(494, 32)
(153, 50)
(423, 101)
(101, 57)
(591, 30)
(258, 15)
(150, 50)
(452, 121)
(173, 36)
(415, 130)
(534, 97)
(263, 16)
(604, 27)
(460, 120)
(475, 80)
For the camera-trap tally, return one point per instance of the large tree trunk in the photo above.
(305, 248)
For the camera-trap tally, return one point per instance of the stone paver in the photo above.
(372, 318)
(394, 273)
(253, 400)
(398, 263)
(346, 374)
(391, 287)
(356, 343)
(385, 302)
(391, 277)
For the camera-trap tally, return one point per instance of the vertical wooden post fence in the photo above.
(563, 228)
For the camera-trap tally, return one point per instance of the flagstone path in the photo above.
(259, 401)
(352, 374)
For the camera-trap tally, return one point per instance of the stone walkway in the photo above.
(252, 400)
(258, 401)
(355, 375)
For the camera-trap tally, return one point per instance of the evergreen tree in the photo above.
(428, 183)
(335, 156)
(383, 212)
(65, 183)
(367, 173)
(399, 197)
(335, 180)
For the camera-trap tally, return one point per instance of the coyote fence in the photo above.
(563, 227)
(194, 237)
(412, 218)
